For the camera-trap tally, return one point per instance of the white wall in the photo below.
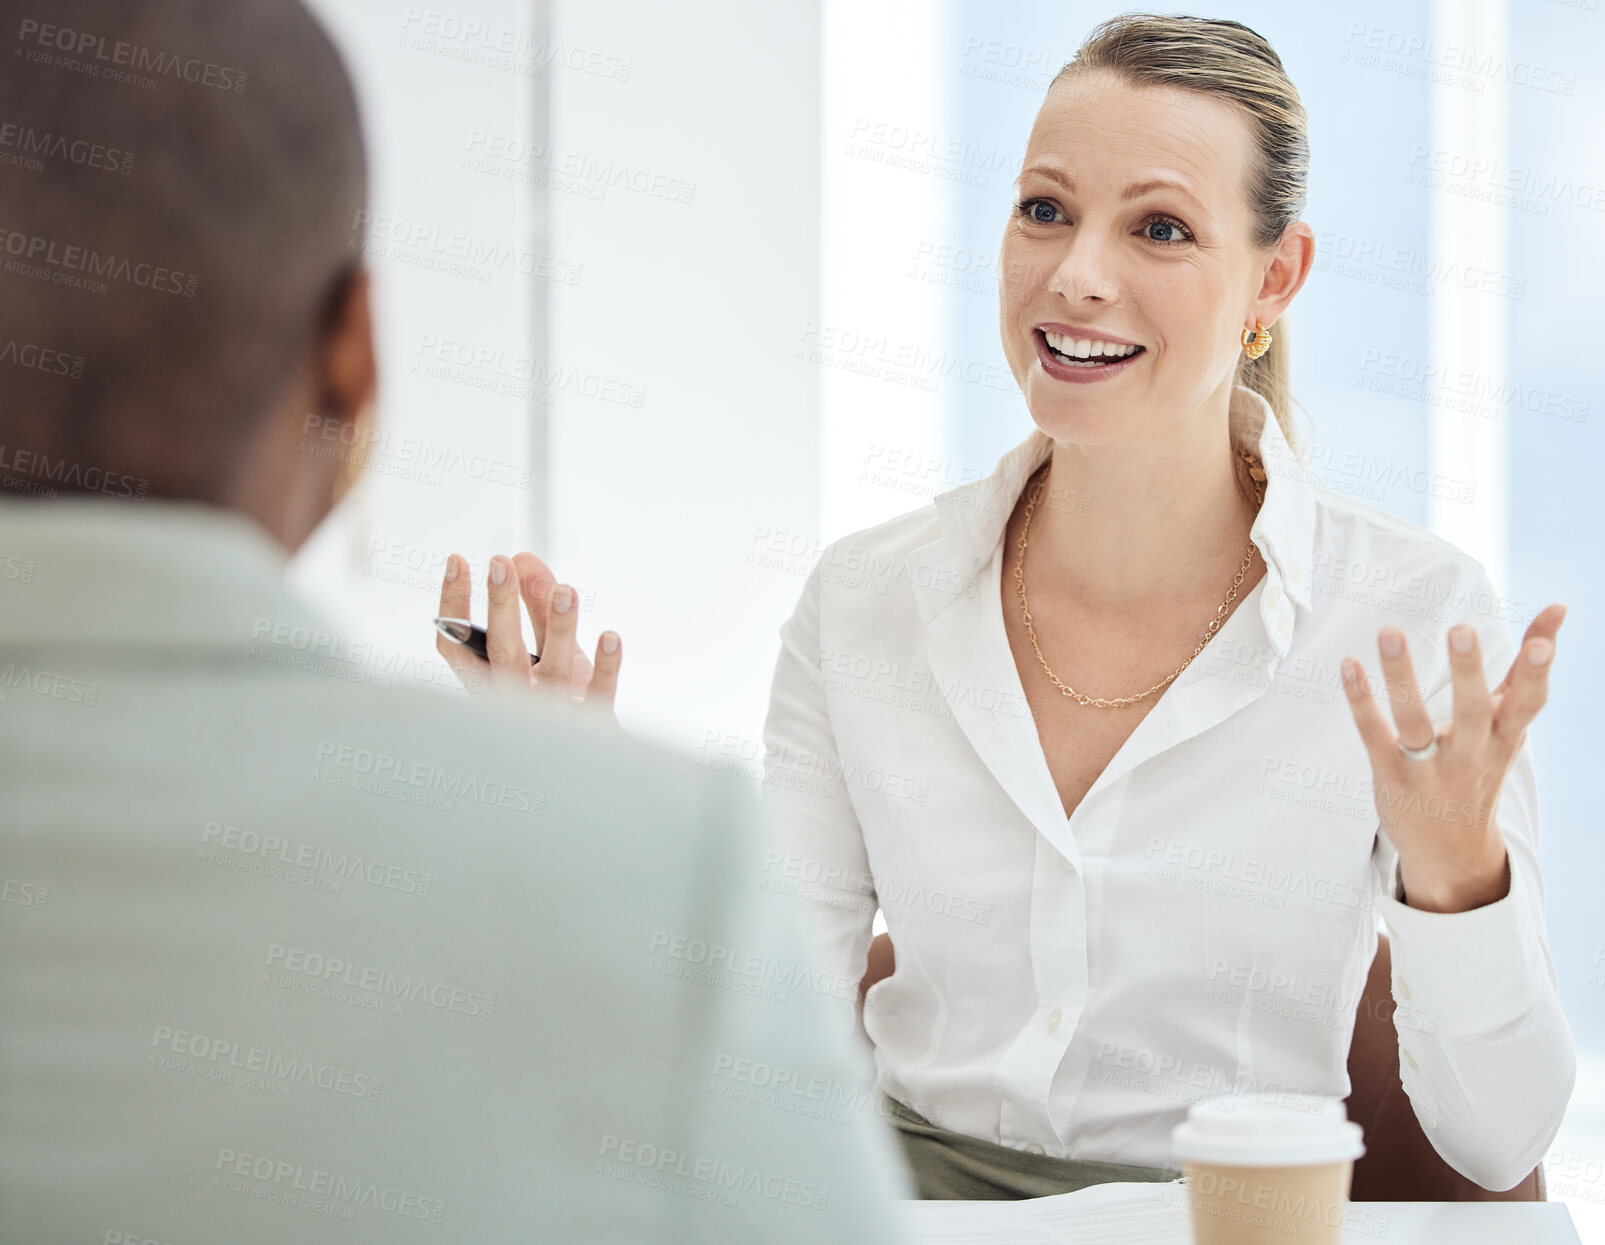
(887, 198)
(451, 468)
(666, 213)
(700, 270)
(1469, 331)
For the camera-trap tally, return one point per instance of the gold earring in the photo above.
(1256, 343)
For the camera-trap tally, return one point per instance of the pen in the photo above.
(462, 631)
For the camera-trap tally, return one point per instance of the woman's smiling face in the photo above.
(1132, 228)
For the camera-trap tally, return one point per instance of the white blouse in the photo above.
(1205, 921)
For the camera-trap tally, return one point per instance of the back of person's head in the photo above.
(177, 239)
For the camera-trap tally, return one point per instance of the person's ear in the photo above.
(1288, 266)
(346, 375)
(276, 480)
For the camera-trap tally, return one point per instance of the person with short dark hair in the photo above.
(284, 955)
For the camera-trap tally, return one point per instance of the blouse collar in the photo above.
(975, 515)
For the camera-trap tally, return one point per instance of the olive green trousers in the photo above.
(952, 1165)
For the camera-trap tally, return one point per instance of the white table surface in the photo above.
(1387, 1223)
(1469, 1223)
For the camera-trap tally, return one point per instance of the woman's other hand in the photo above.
(1439, 811)
(563, 670)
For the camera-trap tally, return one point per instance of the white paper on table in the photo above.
(1120, 1213)
(973, 1223)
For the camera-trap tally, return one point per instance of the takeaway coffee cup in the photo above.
(1272, 1169)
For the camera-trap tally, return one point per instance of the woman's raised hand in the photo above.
(553, 608)
(1438, 809)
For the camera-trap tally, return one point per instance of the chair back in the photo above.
(1399, 1163)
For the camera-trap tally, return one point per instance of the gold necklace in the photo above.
(1256, 472)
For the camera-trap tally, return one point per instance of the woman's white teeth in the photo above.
(1087, 348)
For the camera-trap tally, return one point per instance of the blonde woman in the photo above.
(1097, 733)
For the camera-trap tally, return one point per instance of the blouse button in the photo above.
(1034, 1148)
(1273, 594)
(1410, 1059)
(1283, 625)
(1054, 1017)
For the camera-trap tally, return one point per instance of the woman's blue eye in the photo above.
(1178, 230)
(1042, 213)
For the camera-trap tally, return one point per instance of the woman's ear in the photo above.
(1285, 274)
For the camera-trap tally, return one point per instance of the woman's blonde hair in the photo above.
(1226, 59)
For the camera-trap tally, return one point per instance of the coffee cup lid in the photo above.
(1286, 1130)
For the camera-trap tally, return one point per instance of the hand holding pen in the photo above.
(560, 669)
